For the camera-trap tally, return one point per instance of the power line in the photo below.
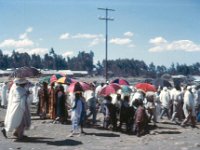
(106, 18)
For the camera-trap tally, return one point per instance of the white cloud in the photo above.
(158, 41)
(39, 51)
(87, 36)
(120, 41)
(96, 41)
(160, 44)
(23, 36)
(64, 36)
(16, 43)
(68, 53)
(128, 34)
(131, 45)
(29, 29)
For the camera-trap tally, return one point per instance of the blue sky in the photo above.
(158, 31)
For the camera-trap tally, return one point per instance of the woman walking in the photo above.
(18, 114)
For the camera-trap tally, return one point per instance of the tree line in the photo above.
(84, 62)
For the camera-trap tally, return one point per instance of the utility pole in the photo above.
(106, 18)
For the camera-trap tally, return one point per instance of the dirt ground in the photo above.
(44, 135)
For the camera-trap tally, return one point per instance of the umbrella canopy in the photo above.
(148, 80)
(66, 80)
(161, 82)
(109, 89)
(126, 89)
(78, 86)
(24, 72)
(55, 77)
(120, 81)
(145, 87)
(45, 79)
(166, 76)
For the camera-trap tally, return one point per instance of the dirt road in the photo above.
(44, 135)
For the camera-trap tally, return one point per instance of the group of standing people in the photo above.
(181, 105)
(136, 110)
(125, 111)
(52, 102)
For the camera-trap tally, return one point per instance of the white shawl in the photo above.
(16, 107)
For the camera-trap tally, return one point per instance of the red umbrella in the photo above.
(55, 77)
(78, 86)
(120, 81)
(109, 89)
(145, 87)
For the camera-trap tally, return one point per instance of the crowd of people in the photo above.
(126, 112)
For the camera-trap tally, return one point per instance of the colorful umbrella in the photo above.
(66, 80)
(145, 87)
(55, 77)
(78, 86)
(120, 81)
(109, 89)
(45, 79)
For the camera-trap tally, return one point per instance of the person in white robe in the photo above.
(177, 100)
(76, 111)
(4, 95)
(17, 117)
(196, 93)
(151, 107)
(165, 100)
(189, 107)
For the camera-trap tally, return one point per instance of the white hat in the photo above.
(189, 87)
(20, 81)
(164, 88)
(138, 96)
(119, 91)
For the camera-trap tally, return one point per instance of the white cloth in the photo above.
(90, 98)
(189, 104)
(35, 90)
(196, 96)
(97, 90)
(4, 94)
(136, 95)
(76, 112)
(88, 94)
(165, 98)
(16, 107)
(150, 104)
(176, 96)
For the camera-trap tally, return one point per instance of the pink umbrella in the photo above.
(120, 81)
(78, 86)
(109, 89)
